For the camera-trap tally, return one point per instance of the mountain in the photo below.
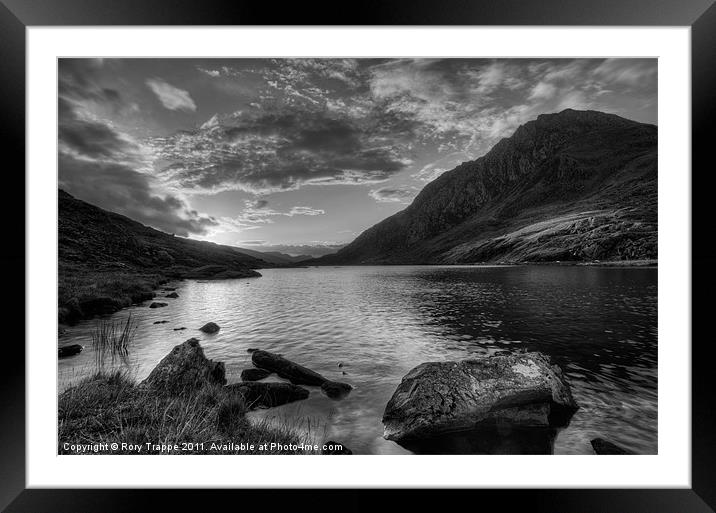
(107, 261)
(274, 257)
(570, 186)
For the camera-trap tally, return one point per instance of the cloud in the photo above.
(305, 211)
(171, 97)
(393, 194)
(257, 212)
(120, 189)
(100, 164)
(543, 90)
(79, 81)
(80, 134)
(630, 72)
(264, 151)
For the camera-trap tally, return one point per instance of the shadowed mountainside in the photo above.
(108, 261)
(571, 186)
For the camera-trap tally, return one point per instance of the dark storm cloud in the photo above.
(267, 151)
(90, 137)
(120, 189)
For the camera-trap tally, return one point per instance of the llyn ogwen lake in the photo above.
(369, 325)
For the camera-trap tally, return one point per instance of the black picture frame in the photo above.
(700, 15)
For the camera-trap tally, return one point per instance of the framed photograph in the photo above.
(451, 246)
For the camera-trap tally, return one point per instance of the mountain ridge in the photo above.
(587, 176)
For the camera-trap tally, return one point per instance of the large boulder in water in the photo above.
(185, 368)
(268, 395)
(522, 390)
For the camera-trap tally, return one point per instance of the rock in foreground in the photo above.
(520, 390)
(185, 368)
(254, 374)
(335, 389)
(71, 350)
(295, 373)
(298, 374)
(268, 395)
(210, 327)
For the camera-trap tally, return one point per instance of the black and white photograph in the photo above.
(357, 256)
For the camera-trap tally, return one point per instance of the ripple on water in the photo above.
(599, 324)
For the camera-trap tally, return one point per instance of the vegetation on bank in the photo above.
(108, 261)
(111, 408)
(83, 293)
(185, 409)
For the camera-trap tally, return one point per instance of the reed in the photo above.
(111, 341)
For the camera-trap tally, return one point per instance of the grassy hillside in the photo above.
(108, 261)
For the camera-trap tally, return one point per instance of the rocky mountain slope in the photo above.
(571, 186)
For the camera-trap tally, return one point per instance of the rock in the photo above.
(185, 368)
(333, 447)
(179, 329)
(336, 390)
(157, 305)
(160, 322)
(210, 327)
(519, 390)
(268, 395)
(251, 350)
(602, 446)
(173, 295)
(71, 350)
(340, 365)
(254, 374)
(295, 373)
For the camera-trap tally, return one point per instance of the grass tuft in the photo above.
(109, 407)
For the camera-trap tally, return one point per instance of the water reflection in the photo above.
(598, 323)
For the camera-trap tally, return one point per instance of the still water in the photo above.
(599, 324)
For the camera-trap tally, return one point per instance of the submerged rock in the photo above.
(157, 305)
(333, 447)
(295, 373)
(160, 322)
(173, 295)
(180, 329)
(336, 390)
(602, 446)
(268, 395)
(185, 368)
(71, 350)
(254, 374)
(210, 327)
(520, 390)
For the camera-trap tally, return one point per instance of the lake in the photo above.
(598, 323)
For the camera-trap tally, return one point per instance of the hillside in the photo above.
(274, 257)
(571, 186)
(108, 261)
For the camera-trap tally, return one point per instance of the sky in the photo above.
(302, 155)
